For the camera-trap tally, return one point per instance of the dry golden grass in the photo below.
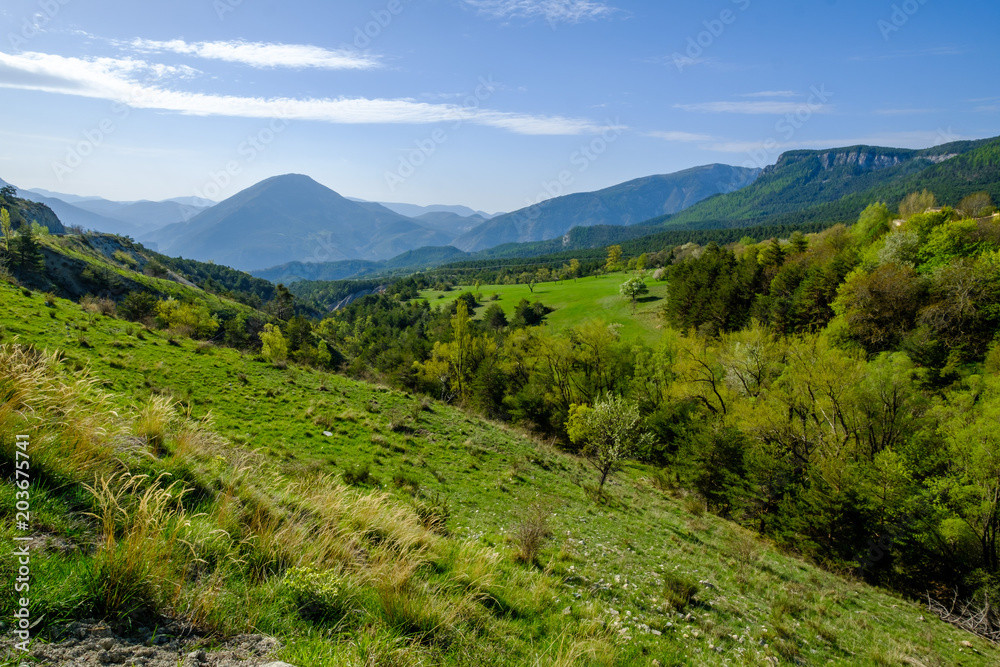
(153, 554)
(153, 422)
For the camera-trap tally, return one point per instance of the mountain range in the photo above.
(415, 211)
(626, 204)
(290, 227)
(112, 217)
(293, 220)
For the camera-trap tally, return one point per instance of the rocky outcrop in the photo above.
(98, 643)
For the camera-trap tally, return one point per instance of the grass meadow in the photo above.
(366, 526)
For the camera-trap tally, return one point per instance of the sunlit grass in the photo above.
(638, 578)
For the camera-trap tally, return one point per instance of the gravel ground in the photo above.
(96, 643)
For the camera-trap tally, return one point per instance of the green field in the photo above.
(575, 302)
(610, 571)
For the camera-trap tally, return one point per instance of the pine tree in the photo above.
(27, 252)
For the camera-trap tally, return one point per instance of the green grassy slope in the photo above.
(616, 568)
(575, 302)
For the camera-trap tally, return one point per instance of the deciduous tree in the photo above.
(614, 261)
(610, 433)
(976, 205)
(916, 202)
(274, 347)
(632, 289)
(6, 228)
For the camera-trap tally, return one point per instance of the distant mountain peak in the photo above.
(293, 218)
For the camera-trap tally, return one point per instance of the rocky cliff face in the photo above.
(860, 158)
(867, 158)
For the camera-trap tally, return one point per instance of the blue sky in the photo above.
(485, 103)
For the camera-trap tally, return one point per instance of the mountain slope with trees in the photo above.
(418, 534)
(625, 204)
(24, 211)
(836, 185)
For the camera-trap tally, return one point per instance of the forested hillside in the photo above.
(836, 185)
(831, 390)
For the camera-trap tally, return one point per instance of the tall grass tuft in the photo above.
(140, 562)
(153, 422)
(68, 419)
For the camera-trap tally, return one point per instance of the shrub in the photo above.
(93, 304)
(320, 596)
(274, 347)
(359, 475)
(678, 591)
(405, 480)
(744, 547)
(193, 320)
(694, 504)
(530, 534)
(138, 306)
(661, 480)
(156, 270)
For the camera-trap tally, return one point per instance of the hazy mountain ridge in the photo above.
(143, 214)
(412, 260)
(628, 203)
(415, 210)
(112, 217)
(25, 211)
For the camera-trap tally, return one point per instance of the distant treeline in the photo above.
(324, 295)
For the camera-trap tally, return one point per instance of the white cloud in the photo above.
(681, 136)
(553, 11)
(261, 55)
(769, 107)
(119, 80)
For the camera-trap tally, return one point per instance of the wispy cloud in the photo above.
(140, 85)
(261, 55)
(553, 11)
(987, 108)
(768, 107)
(681, 136)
